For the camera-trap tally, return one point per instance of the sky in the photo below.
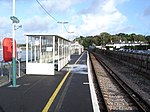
(84, 17)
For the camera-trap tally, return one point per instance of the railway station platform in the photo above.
(67, 91)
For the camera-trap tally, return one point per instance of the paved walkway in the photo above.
(37, 92)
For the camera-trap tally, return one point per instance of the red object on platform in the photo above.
(8, 49)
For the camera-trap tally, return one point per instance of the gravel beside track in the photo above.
(137, 81)
(115, 98)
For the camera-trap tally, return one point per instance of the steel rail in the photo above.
(141, 103)
(103, 106)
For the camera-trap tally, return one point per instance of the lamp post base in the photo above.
(14, 72)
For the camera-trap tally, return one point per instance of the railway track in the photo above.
(117, 95)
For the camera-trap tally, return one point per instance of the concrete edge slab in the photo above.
(92, 89)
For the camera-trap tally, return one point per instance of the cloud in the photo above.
(4, 21)
(125, 29)
(59, 5)
(84, 18)
(5, 26)
(102, 6)
(37, 23)
(106, 17)
(99, 16)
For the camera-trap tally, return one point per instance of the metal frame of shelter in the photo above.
(45, 53)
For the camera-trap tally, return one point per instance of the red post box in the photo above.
(8, 49)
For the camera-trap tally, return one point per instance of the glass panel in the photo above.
(49, 49)
(60, 49)
(56, 48)
(46, 49)
(40, 51)
(31, 49)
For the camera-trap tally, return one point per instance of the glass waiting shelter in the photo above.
(46, 53)
(76, 48)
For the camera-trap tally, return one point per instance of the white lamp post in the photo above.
(14, 20)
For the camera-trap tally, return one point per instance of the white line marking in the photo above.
(92, 89)
(85, 83)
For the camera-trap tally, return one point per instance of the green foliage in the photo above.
(148, 38)
(106, 38)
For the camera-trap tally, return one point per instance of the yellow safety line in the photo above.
(50, 101)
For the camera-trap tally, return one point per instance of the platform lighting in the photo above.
(70, 32)
(62, 22)
(14, 19)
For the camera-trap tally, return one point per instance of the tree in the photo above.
(123, 36)
(140, 38)
(148, 39)
(96, 40)
(105, 37)
(116, 38)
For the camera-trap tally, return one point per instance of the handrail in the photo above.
(19, 67)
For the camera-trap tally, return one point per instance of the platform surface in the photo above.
(35, 92)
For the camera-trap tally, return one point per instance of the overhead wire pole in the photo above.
(62, 22)
(69, 32)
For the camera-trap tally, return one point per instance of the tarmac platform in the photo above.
(66, 91)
